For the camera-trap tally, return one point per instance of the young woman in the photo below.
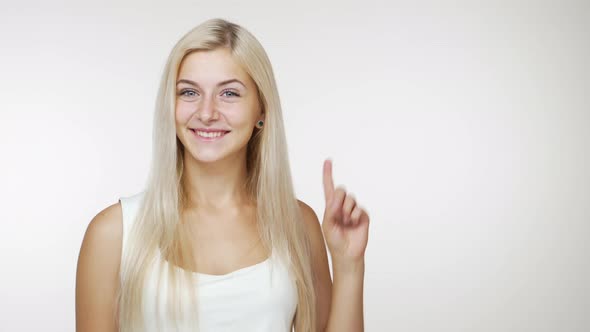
(217, 241)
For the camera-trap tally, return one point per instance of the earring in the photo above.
(259, 124)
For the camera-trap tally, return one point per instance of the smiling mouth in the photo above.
(209, 136)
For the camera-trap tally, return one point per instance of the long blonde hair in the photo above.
(158, 228)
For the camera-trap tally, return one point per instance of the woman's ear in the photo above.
(260, 121)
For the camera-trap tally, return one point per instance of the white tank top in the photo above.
(260, 297)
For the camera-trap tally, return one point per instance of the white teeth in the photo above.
(209, 135)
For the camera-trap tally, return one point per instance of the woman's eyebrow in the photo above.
(218, 84)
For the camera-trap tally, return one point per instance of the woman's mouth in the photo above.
(208, 136)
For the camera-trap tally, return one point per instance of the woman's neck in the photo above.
(216, 184)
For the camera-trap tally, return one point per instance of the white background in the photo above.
(463, 128)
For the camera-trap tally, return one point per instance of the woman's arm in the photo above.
(339, 304)
(345, 227)
(97, 272)
(347, 298)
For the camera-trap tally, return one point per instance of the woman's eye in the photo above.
(187, 93)
(234, 93)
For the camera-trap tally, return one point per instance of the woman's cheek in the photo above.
(183, 113)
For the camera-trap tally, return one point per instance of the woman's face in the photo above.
(217, 106)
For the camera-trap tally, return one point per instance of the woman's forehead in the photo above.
(211, 67)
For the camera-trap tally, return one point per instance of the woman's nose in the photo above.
(208, 109)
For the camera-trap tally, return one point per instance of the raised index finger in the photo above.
(328, 182)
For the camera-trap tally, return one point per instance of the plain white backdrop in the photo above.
(463, 128)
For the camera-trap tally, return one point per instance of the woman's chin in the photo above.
(208, 157)
(212, 155)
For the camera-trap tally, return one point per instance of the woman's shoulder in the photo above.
(101, 247)
(312, 225)
(98, 269)
(104, 233)
(308, 214)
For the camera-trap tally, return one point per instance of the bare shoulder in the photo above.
(313, 226)
(107, 224)
(104, 234)
(97, 274)
(308, 213)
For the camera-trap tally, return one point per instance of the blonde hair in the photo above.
(158, 224)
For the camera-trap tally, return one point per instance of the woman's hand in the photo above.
(345, 225)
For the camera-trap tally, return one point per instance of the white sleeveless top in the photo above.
(260, 297)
